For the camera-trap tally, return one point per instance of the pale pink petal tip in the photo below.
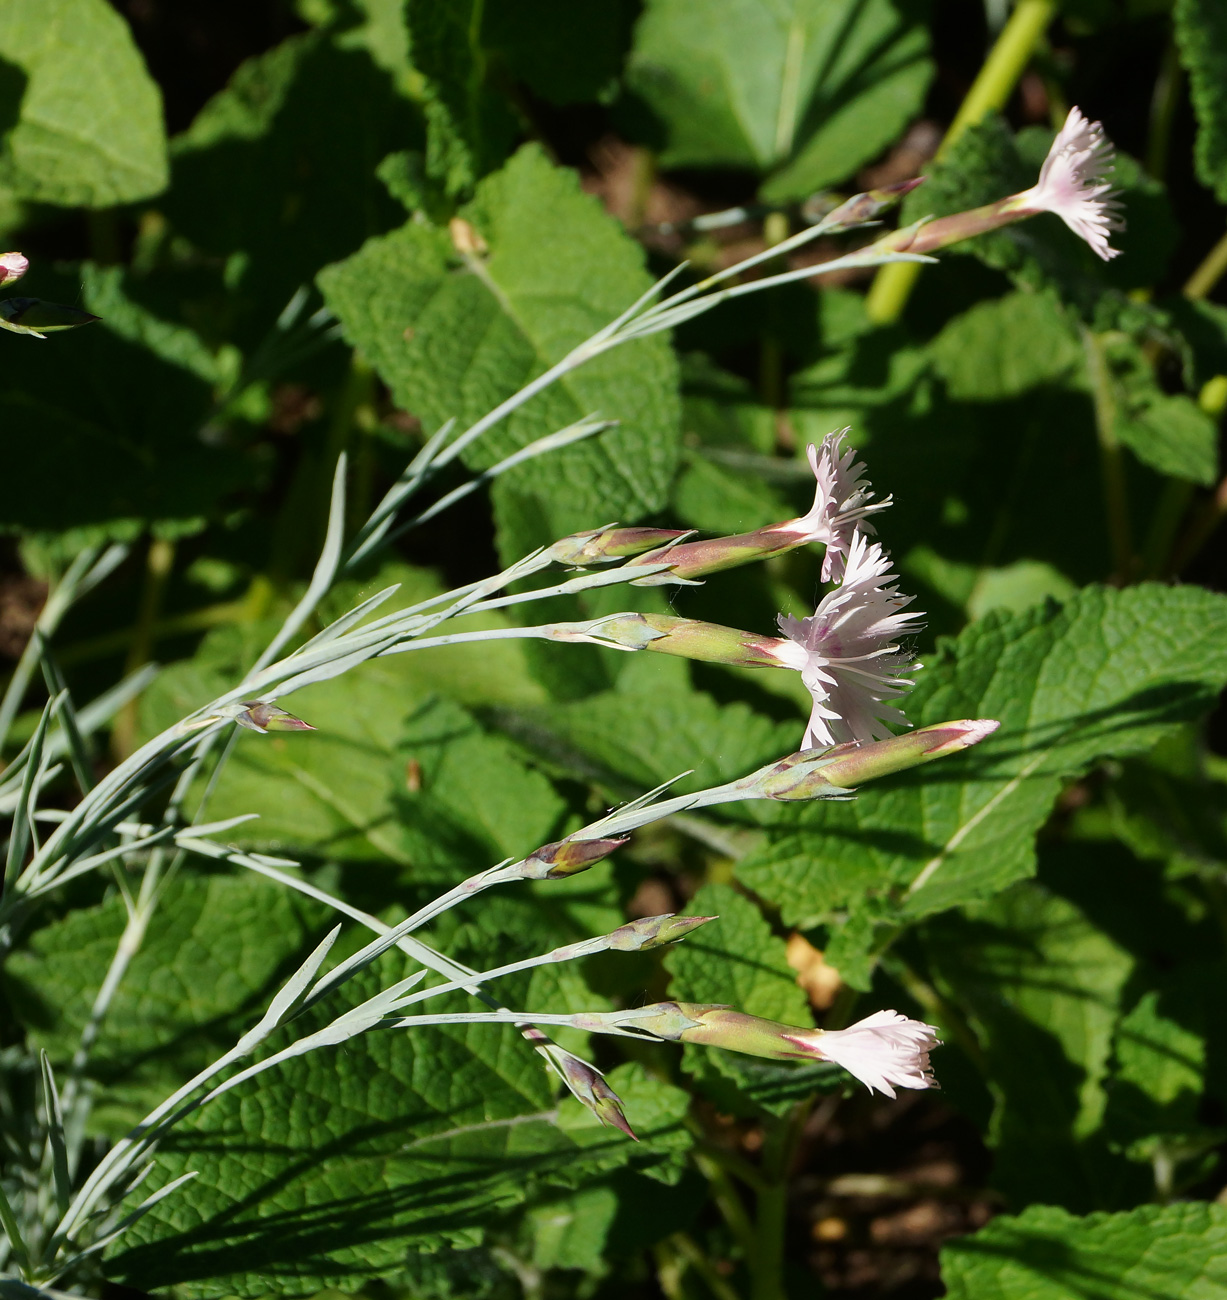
(1074, 184)
(13, 266)
(884, 1051)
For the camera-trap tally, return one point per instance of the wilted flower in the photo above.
(13, 266)
(842, 500)
(1074, 184)
(884, 1051)
(847, 653)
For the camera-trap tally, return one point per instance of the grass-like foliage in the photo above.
(579, 640)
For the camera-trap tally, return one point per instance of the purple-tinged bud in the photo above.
(602, 544)
(862, 208)
(812, 774)
(690, 560)
(690, 638)
(588, 1086)
(13, 266)
(37, 318)
(268, 717)
(568, 857)
(654, 931)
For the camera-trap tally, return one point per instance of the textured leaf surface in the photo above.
(327, 1170)
(279, 167)
(805, 90)
(1102, 675)
(110, 417)
(455, 336)
(1002, 347)
(1201, 36)
(1039, 983)
(1178, 1252)
(738, 960)
(88, 130)
(215, 953)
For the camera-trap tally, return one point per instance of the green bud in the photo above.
(690, 638)
(736, 1031)
(601, 544)
(654, 932)
(33, 316)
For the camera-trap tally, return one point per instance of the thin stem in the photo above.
(771, 1220)
(1163, 103)
(1006, 62)
(692, 1253)
(1208, 274)
(1111, 458)
(158, 564)
(728, 1202)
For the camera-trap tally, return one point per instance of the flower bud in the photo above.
(602, 544)
(13, 266)
(568, 857)
(588, 1086)
(268, 717)
(654, 932)
(688, 637)
(667, 1020)
(38, 318)
(862, 208)
(812, 774)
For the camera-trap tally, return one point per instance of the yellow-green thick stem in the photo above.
(1006, 63)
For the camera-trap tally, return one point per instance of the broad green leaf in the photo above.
(216, 950)
(566, 53)
(1041, 988)
(469, 128)
(1162, 1059)
(328, 1169)
(110, 418)
(455, 335)
(804, 92)
(651, 737)
(1105, 674)
(737, 960)
(1201, 36)
(1002, 347)
(1168, 432)
(88, 132)
(1178, 1252)
(278, 169)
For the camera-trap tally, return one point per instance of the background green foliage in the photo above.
(354, 220)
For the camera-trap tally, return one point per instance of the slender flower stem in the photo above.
(771, 1222)
(1006, 62)
(692, 1253)
(1208, 274)
(158, 564)
(1111, 458)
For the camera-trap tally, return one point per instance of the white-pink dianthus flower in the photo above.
(848, 655)
(1074, 184)
(884, 1051)
(842, 500)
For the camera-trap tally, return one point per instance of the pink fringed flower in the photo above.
(1074, 184)
(842, 500)
(847, 652)
(884, 1051)
(13, 266)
